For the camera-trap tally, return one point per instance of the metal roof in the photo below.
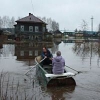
(57, 31)
(30, 19)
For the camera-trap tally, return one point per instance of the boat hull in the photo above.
(62, 81)
(51, 81)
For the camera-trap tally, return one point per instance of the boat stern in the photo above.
(61, 81)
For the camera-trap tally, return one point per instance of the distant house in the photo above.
(3, 37)
(7, 33)
(57, 34)
(79, 34)
(69, 33)
(85, 34)
(57, 41)
(98, 34)
(90, 33)
(30, 28)
(48, 36)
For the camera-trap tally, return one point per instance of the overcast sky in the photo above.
(68, 13)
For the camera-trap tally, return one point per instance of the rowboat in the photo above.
(47, 78)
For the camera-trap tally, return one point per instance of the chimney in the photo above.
(30, 14)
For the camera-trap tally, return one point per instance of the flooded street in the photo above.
(17, 59)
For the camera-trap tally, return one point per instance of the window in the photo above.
(30, 28)
(36, 52)
(36, 29)
(30, 53)
(21, 53)
(22, 28)
(43, 29)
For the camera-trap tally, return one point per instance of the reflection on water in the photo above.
(7, 50)
(60, 93)
(29, 50)
(87, 49)
(17, 59)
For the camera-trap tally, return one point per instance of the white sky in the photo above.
(68, 13)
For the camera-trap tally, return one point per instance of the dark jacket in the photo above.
(48, 54)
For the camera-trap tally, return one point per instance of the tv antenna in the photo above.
(32, 6)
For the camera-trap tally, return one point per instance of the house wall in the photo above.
(58, 35)
(26, 27)
(26, 34)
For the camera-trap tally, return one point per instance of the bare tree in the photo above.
(18, 18)
(49, 22)
(84, 25)
(44, 19)
(55, 26)
(99, 28)
(52, 25)
(1, 22)
(12, 22)
(5, 21)
(76, 30)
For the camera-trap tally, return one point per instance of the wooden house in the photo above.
(79, 35)
(30, 28)
(57, 34)
(69, 33)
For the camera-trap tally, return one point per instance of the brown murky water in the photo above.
(17, 59)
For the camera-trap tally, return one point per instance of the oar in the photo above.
(34, 66)
(73, 69)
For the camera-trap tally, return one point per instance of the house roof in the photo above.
(57, 31)
(90, 32)
(30, 19)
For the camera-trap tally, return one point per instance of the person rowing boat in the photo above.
(47, 55)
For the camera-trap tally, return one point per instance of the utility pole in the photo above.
(92, 24)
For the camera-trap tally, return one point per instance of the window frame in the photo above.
(30, 28)
(21, 53)
(22, 28)
(30, 53)
(44, 28)
(36, 28)
(36, 53)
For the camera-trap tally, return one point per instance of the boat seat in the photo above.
(68, 74)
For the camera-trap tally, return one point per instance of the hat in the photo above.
(58, 53)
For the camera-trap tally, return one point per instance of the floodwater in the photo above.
(17, 59)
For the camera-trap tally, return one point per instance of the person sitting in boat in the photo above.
(47, 55)
(58, 64)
